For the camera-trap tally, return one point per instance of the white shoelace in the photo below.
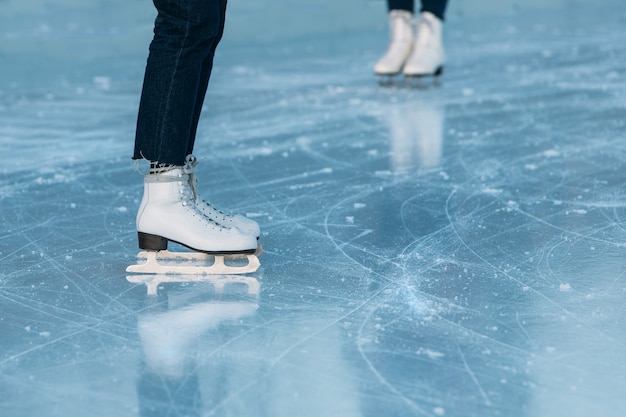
(190, 164)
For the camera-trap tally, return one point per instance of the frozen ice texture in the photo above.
(450, 251)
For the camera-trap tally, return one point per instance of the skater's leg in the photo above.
(436, 7)
(408, 5)
(205, 75)
(186, 33)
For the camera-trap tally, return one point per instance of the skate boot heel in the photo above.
(151, 242)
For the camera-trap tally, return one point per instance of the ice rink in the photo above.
(457, 250)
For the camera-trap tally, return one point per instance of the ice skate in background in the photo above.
(172, 211)
(417, 53)
(399, 49)
(427, 57)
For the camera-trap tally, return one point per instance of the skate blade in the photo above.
(387, 80)
(194, 263)
(417, 80)
(219, 282)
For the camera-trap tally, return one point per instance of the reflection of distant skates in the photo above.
(416, 56)
(171, 211)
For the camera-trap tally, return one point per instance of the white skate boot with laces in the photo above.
(242, 223)
(400, 46)
(427, 57)
(168, 212)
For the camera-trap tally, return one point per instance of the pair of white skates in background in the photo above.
(415, 52)
(172, 211)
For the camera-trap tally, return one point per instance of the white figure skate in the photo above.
(400, 46)
(242, 223)
(427, 57)
(168, 213)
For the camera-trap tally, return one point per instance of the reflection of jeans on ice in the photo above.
(186, 34)
(436, 7)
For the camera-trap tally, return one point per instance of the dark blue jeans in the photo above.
(186, 34)
(436, 7)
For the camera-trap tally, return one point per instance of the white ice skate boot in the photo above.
(427, 57)
(168, 213)
(400, 46)
(242, 223)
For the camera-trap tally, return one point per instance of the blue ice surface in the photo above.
(445, 251)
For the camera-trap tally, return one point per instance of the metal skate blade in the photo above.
(386, 80)
(418, 81)
(192, 263)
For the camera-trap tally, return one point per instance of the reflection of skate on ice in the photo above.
(400, 46)
(167, 337)
(219, 282)
(173, 331)
(168, 212)
(427, 57)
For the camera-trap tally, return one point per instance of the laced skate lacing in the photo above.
(187, 192)
(190, 163)
(188, 197)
